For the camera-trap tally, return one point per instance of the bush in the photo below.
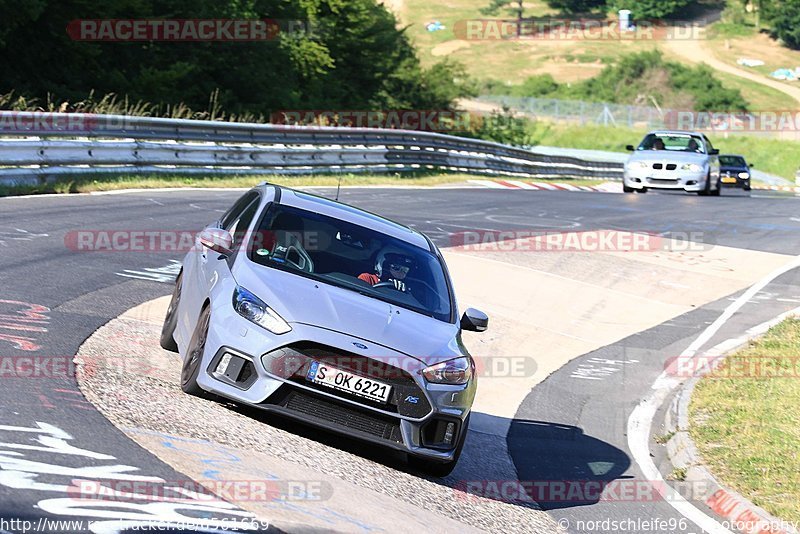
(501, 127)
(539, 85)
(639, 79)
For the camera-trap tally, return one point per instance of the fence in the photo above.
(646, 118)
(39, 147)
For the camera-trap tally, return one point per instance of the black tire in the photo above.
(626, 189)
(171, 320)
(642, 190)
(440, 469)
(194, 355)
(746, 186)
(718, 191)
(704, 192)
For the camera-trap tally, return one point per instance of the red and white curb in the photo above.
(605, 187)
(790, 189)
(736, 509)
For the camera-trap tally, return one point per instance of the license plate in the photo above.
(728, 180)
(325, 375)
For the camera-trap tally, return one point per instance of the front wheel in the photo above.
(167, 340)
(194, 355)
(626, 189)
(707, 189)
(716, 192)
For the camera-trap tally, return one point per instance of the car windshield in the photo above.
(732, 161)
(674, 142)
(352, 257)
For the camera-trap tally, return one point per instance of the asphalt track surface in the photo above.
(564, 429)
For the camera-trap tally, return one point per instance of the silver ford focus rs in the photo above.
(330, 315)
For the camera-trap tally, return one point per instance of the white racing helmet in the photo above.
(392, 255)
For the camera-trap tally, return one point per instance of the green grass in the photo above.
(774, 156)
(746, 423)
(155, 181)
(758, 96)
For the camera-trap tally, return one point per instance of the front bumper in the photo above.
(734, 181)
(273, 379)
(674, 180)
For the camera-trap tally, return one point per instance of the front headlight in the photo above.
(255, 310)
(458, 371)
(744, 175)
(694, 167)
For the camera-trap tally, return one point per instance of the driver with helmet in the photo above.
(391, 267)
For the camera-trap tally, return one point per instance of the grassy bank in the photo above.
(774, 156)
(747, 428)
(155, 181)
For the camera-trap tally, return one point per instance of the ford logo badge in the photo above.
(360, 346)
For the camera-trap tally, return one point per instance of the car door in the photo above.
(199, 268)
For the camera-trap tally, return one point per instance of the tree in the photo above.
(512, 7)
(354, 58)
(576, 6)
(784, 19)
(649, 9)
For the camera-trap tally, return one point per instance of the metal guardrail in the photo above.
(37, 147)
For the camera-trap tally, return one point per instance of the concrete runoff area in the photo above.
(555, 306)
(547, 306)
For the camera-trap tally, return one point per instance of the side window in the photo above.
(239, 227)
(709, 146)
(236, 210)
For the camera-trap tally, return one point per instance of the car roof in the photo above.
(351, 214)
(676, 132)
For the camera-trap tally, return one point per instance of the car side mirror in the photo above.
(474, 320)
(714, 151)
(751, 165)
(630, 147)
(218, 240)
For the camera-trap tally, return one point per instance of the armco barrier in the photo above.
(36, 147)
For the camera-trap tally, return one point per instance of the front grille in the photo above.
(669, 167)
(313, 407)
(406, 399)
(662, 180)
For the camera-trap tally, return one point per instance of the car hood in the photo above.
(733, 168)
(668, 155)
(305, 301)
